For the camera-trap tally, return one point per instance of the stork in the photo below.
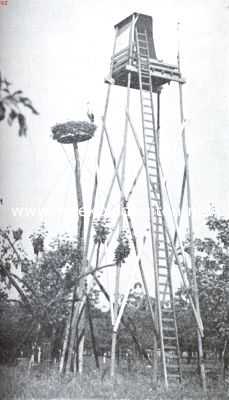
(90, 113)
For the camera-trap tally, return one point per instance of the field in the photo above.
(16, 383)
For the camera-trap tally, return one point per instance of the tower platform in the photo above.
(125, 58)
(160, 72)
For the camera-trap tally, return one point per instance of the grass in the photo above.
(17, 384)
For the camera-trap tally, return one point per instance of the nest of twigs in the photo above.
(73, 132)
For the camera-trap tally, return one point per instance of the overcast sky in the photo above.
(58, 53)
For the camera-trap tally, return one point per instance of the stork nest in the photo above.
(73, 132)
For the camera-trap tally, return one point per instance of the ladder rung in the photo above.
(169, 338)
(147, 113)
(163, 283)
(174, 376)
(172, 356)
(170, 347)
(167, 319)
(169, 328)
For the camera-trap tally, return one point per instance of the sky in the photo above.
(58, 53)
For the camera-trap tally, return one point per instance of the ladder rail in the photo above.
(151, 217)
(155, 200)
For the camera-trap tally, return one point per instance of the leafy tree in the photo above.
(11, 104)
(44, 287)
(12, 258)
(212, 263)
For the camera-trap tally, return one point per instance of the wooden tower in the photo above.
(134, 65)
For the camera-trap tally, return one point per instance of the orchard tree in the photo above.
(212, 264)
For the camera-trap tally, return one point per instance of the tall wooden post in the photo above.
(118, 267)
(191, 234)
(79, 288)
(72, 133)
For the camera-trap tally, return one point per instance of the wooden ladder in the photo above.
(170, 354)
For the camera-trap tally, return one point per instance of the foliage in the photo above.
(48, 283)
(212, 264)
(138, 316)
(38, 239)
(14, 324)
(11, 104)
(12, 258)
(45, 285)
(102, 230)
(122, 250)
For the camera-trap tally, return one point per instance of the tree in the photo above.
(44, 287)
(212, 264)
(12, 257)
(11, 104)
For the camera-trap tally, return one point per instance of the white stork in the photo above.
(90, 113)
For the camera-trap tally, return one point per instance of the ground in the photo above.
(16, 383)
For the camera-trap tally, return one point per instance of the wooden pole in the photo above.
(134, 240)
(176, 229)
(191, 234)
(124, 323)
(93, 340)
(118, 267)
(94, 193)
(79, 286)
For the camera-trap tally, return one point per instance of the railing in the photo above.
(157, 68)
